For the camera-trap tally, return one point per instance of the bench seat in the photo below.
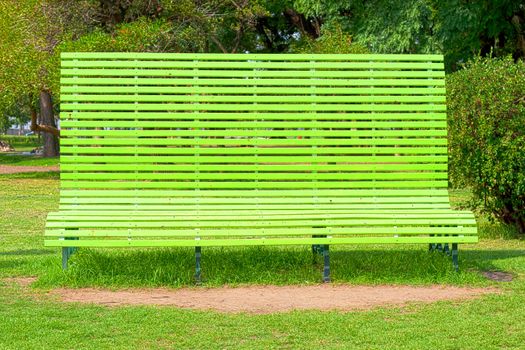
(153, 229)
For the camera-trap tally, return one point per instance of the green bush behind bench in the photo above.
(486, 111)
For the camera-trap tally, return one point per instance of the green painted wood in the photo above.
(247, 200)
(253, 149)
(132, 207)
(212, 115)
(255, 241)
(249, 107)
(255, 124)
(66, 89)
(290, 65)
(218, 211)
(250, 57)
(266, 232)
(255, 81)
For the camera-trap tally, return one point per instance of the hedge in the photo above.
(486, 111)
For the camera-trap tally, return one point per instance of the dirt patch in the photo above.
(498, 276)
(16, 169)
(269, 299)
(21, 281)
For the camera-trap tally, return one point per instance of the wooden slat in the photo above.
(259, 99)
(229, 232)
(253, 241)
(255, 150)
(281, 142)
(222, 64)
(250, 57)
(275, 90)
(253, 184)
(282, 116)
(255, 81)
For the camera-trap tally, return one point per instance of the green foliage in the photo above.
(330, 41)
(486, 107)
(140, 35)
(30, 31)
(466, 29)
(458, 29)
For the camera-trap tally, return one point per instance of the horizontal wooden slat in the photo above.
(133, 207)
(291, 217)
(253, 184)
(243, 57)
(258, 133)
(274, 142)
(258, 124)
(218, 211)
(192, 202)
(399, 193)
(346, 222)
(275, 90)
(256, 159)
(233, 198)
(258, 81)
(250, 167)
(254, 150)
(253, 242)
(224, 64)
(210, 99)
(252, 73)
(283, 116)
(249, 107)
(283, 176)
(229, 232)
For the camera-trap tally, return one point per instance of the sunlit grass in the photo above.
(30, 319)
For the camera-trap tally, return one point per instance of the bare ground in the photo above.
(15, 169)
(270, 299)
(22, 281)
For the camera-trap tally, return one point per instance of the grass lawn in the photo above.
(30, 319)
(22, 143)
(18, 159)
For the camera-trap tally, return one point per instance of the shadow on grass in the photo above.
(21, 252)
(51, 175)
(175, 267)
(19, 159)
(491, 260)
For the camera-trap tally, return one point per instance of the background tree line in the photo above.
(34, 32)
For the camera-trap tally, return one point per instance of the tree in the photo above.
(29, 33)
(458, 29)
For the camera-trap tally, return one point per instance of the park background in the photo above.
(483, 43)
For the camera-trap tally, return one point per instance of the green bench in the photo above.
(199, 150)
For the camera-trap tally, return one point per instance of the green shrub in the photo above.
(486, 110)
(330, 41)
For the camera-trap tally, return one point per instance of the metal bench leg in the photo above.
(67, 252)
(446, 249)
(317, 248)
(198, 265)
(326, 269)
(431, 246)
(455, 254)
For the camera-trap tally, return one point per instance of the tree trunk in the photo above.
(48, 121)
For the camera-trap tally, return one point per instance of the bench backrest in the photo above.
(164, 131)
